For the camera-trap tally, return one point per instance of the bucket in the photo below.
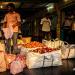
(26, 39)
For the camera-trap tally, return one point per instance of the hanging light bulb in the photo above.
(50, 7)
(1, 6)
(66, 0)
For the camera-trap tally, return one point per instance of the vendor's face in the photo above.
(47, 16)
(10, 9)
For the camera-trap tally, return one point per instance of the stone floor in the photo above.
(65, 69)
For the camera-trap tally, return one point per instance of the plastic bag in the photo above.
(36, 60)
(68, 51)
(22, 60)
(53, 44)
(16, 67)
(8, 32)
(9, 58)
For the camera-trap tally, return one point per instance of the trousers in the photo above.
(9, 47)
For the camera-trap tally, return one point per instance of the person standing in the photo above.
(12, 19)
(66, 28)
(73, 32)
(46, 25)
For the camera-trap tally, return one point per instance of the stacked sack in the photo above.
(43, 58)
(68, 50)
(2, 58)
(53, 44)
(2, 62)
(39, 55)
(15, 63)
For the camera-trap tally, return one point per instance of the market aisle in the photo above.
(65, 69)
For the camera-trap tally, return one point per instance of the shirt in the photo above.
(67, 23)
(73, 26)
(12, 19)
(46, 23)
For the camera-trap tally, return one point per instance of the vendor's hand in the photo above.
(16, 24)
(5, 25)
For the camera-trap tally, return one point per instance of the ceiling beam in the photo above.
(35, 1)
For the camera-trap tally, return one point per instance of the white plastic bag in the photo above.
(8, 32)
(22, 60)
(36, 60)
(53, 44)
(47, 61)
(56, 56)
(68, 51)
